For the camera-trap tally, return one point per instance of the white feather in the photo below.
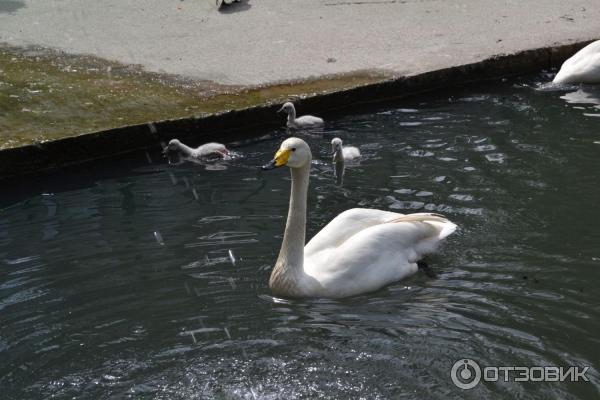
(583, 67)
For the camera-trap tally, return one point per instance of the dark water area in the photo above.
(136, 278)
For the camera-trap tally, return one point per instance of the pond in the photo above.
(134, 277)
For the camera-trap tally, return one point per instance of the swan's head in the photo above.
(336, 149)
(174, 144)
(336, 145)
(287, 107)
(293, 152)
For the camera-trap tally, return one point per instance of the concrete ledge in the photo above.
(232, 125)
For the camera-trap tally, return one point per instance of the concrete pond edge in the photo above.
(231, 125)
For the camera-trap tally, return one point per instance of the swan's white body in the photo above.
(206, 150)
(359, 251)
(343, 153)
(583, 67)
(305, 121)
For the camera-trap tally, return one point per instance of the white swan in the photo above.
(305, 121)
(583, 67)
(206, 150)
(359, 251)
(341, 153)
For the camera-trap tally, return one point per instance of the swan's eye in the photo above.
(293, 149)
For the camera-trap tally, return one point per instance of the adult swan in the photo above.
(583, 67)
(359, 251)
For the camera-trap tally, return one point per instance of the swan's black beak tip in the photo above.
(268, 166)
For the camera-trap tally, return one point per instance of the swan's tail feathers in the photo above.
(443, 226)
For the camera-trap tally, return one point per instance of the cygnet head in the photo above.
(336, 145)
(174, 144)
(293, 152)
(287, 107)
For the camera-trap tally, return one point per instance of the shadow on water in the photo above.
(72, 178)
(10, 6)
(235, 7)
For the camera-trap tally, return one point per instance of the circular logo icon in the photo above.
(465, 374)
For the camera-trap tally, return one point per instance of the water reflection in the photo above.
(175, 158)
(339, 168)
(583, 95)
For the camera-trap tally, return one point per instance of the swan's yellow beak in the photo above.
(281, 159)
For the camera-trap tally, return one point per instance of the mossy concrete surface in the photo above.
(48, 95)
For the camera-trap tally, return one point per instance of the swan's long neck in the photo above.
(292, 114)
(338, 156)
(290, 263)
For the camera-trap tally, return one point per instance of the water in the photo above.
(138, 278)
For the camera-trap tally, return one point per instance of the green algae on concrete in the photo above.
(46, 95)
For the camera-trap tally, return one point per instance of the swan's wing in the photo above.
(377, 255)
(420, 231)
(583, 67)
(346, 225)
(309, 120)
(356, 220)
(351, 152)
(212, 148)
(443, 226)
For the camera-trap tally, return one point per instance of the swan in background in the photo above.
(341, 153)
(583, 67)
(206, 150)
(359, 251)
(305, 121)
(221, 2)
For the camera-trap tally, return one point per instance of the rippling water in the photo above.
(138, 278)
